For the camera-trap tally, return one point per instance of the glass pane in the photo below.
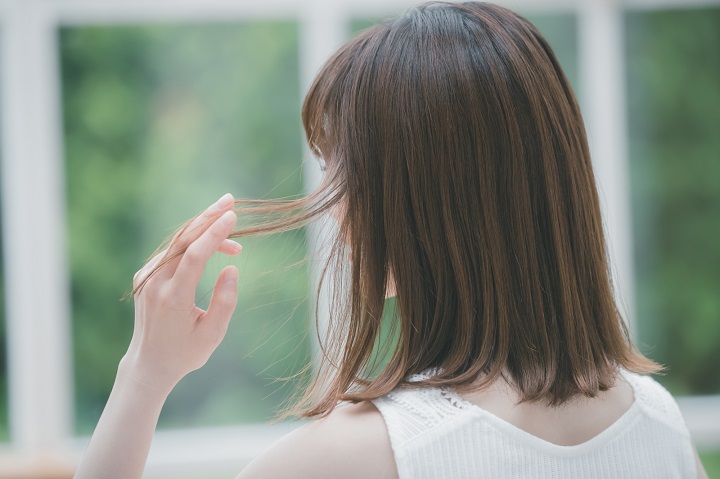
(159, 122)
(673, 70)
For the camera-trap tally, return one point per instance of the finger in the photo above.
(230, 247)
(184, 238)
(222, 305)
(193, 261)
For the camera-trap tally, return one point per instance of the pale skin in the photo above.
(173, 337)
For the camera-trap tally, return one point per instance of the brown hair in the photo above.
(457, 150)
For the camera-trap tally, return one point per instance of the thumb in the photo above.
(223, 301)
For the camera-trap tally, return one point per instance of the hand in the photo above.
(172, 336)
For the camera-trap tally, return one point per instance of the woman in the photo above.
(458, 170)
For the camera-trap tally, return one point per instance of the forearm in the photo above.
(121, 441)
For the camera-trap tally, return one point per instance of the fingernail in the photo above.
(227, 218)
(222, 203)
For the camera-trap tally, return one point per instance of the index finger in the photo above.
(184, 238)
(193, 262)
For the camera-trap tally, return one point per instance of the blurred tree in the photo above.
(673, 70)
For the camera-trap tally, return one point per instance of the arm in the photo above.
(119, 447)
(171, 338)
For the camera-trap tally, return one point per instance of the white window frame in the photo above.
(33, 198)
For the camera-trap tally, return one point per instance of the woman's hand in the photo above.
(172, 336)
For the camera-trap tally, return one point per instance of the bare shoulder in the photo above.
(351, 442)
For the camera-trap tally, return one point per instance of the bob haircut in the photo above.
(456, 150)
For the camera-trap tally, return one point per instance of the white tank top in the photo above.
(435, 434)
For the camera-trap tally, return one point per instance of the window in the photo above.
(158, 121)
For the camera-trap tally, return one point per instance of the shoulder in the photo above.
(657, 401)
(352, 441)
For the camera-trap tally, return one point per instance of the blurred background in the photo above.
(122, 119)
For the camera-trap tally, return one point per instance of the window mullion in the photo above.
(36, 279)
(602, 81)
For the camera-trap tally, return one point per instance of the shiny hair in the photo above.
(456, 148)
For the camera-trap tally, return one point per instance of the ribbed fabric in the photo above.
(435, 434)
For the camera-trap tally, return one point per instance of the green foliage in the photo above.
(159, 122)
(674, 107)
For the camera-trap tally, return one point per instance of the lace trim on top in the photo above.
(649, 396)
(638, 383)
